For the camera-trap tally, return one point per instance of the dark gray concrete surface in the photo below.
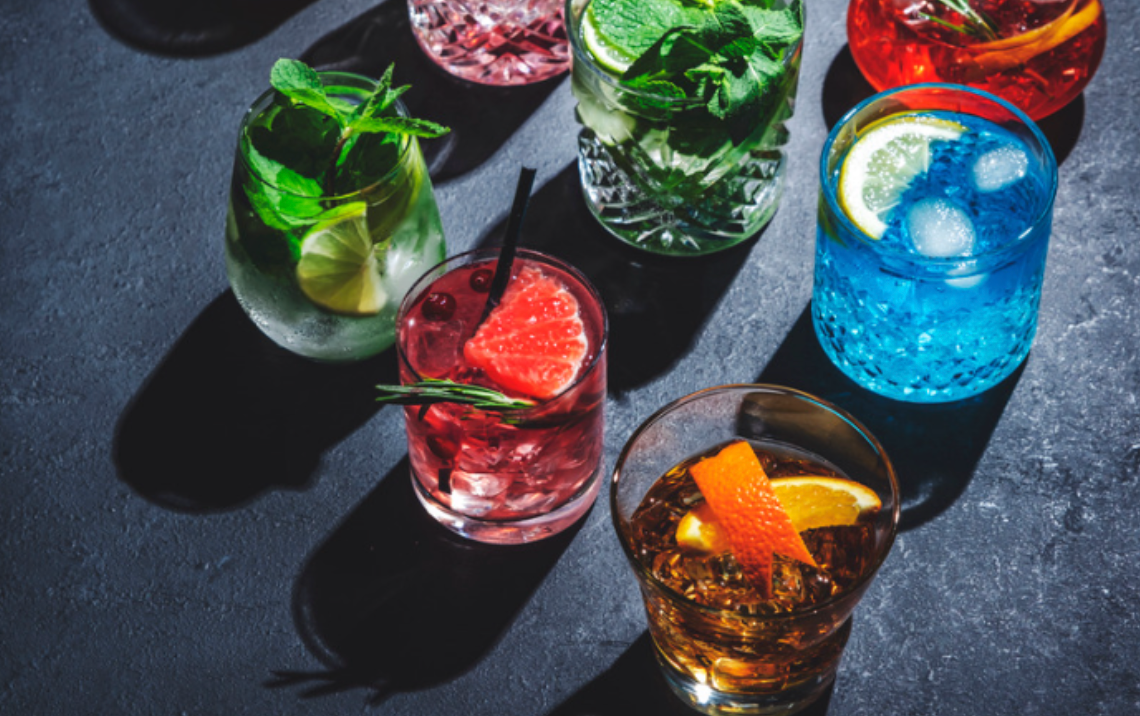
(194, 522)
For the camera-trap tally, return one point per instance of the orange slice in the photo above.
(813, 501)
(534, 342)
(699, 531)
(739, 494)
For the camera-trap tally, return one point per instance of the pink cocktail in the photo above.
(506, 475)
(493, 42)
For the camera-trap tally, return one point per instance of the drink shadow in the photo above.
(481, 117)
(844, 87)
(934, 447)
(634, 686)
(393, 602)
(656, 305)
(228, 415)
(192, 28)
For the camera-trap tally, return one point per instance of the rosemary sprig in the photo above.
(977, 24)
(431, 391)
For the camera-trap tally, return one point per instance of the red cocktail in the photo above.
(1038, 54)
(506, 475)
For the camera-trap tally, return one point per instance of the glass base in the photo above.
(493, 43)
(732, 210)
(707, 700)
(521, 531)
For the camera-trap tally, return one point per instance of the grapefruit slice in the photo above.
(534, 342)
(737, 490)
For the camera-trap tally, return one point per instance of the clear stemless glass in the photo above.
(736, 661)
(929, 266)
(511, 476)
(493, 42)
(666, 175)
(322, 272)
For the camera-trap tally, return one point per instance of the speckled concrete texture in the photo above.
(196, 523)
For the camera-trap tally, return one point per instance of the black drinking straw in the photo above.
(510, 241)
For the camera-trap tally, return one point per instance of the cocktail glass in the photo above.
(662, 173)
(334, 304)
(730, 661)
(509, 476)
(493, 42)
(943, 308)
(1039, 56)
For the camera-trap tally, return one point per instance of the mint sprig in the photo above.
(373, 115)
(977, 23)
(728, 57)
(431, 391)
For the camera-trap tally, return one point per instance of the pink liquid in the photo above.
(494, 42)
(478, 472)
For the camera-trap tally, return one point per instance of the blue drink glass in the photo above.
(920, 313)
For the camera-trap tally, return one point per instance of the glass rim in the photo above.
(648, 577)
(982, 261)
(490, 252)
(404, 151)
(583, 56)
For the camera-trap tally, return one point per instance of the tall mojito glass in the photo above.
(326, 232)
(936, 206)
(683, 108)
(755, 518)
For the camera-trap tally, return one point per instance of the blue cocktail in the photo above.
(935, 214)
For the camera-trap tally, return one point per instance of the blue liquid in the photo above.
(958, 316)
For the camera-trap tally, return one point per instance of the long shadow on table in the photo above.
(656, 304)
(934, 448)
(633, 686)
(192, 28)
(844, 87)
(228, 415)
(393, 602)
(481, 117)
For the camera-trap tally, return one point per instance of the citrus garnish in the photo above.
(700, 531)
(338, 269)
(534, 341)
(885, 158)
(606, 53)
(737, 490)
(812, 501)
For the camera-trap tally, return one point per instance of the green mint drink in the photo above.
(332, 215)
(683, 106)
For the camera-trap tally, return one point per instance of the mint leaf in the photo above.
(775, 29)
(636, 26)
(283, 199)
(302, 84)
(400, 125)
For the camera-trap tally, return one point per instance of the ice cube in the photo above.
(999, 168)
(478, 484)
(939, 229)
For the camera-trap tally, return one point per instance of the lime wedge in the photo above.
(338, 269)
(883, 161)
(607, 54)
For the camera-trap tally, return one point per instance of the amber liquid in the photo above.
(743, 642)
(1045, 55)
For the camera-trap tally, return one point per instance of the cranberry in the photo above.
(438, 306)
(481, 280)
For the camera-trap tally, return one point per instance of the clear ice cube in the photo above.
(939, 228)
(999, 168)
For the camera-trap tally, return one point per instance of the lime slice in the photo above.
(338, 269)
(883, 161)
(607, 54)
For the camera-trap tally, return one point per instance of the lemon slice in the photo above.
(883, 161)
(814, 501)
(606, 53)
(338, 269)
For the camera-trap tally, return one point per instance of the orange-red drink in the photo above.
(1037, 54)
